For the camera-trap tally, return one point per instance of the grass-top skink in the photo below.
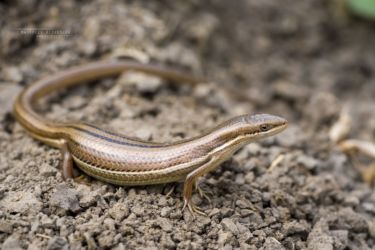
(121, 160)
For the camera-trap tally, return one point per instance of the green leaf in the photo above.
(363, 8)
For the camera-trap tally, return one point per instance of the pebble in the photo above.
(165, 211)
(282, 88)
(138, 210)
(12, 74)
(272, 244)
(371, 227)
(89, 197)
(12, 243)
(9, 93)
(6, 227)
(47, 222)
(318, 238)
(109, 224)
(106, 239)
(47, 170)
(214, 211)
(21, 202)
(295, 227)
(240, 180)
(307, 161)
(119, 211)
(369, 207)
(291, 137)
(226, 211)
(340, 238)
(164, 224)
(351, 201)
(249, 177)
(228, 224)
(57, 243)
(322, 106)
(242, 204)
(65, 198)
(201, 27)
(224, 237)
(346, 218)
(120, 246)
(143, 83)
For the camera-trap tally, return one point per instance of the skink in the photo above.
(118, 159)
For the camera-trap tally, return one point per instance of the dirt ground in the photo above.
(294, 59)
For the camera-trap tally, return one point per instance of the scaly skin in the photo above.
(121, 160)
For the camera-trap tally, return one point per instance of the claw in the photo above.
(202, 194)
(192, 208)
(82, 179)
(170, 191)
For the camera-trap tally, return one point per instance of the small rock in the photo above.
(57, 243)
(371, 227)
(106, 239)
(253, 148)
(228, 224)
(74, 102)
(369, 207)
(282, 88)
(224, 237)
(65, 198)
(88, 197)
(340, 238)
(138, 210)
(318, 238)
(144, 134)
(322, 107)
(249, 177)
(120, 246)
(47, 222)
(12, 74)
(307, 161)
(242, 204)
(240, 180)
(165, 211)
(119, 211)
(132, 193)
(8, 95)
(201, 27)
(11, 243)
(291, 137)
(214, 211)
(143, 83)
(6, 227)
(348, 219)
(351, 201)
(226, 211)
(272, 244)
(47, 170)
(109, 224)
(21, 202)
(204, 222)
(164, 224)
(295, 227)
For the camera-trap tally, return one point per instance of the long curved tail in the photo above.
(49, 131)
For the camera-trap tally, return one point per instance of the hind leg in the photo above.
(67, 163)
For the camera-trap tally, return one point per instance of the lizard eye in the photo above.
(264, 127)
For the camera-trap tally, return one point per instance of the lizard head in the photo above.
(263, 125)
(252, 127)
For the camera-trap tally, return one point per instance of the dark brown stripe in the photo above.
(113, 140)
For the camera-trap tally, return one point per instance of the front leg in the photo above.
(190, 181)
